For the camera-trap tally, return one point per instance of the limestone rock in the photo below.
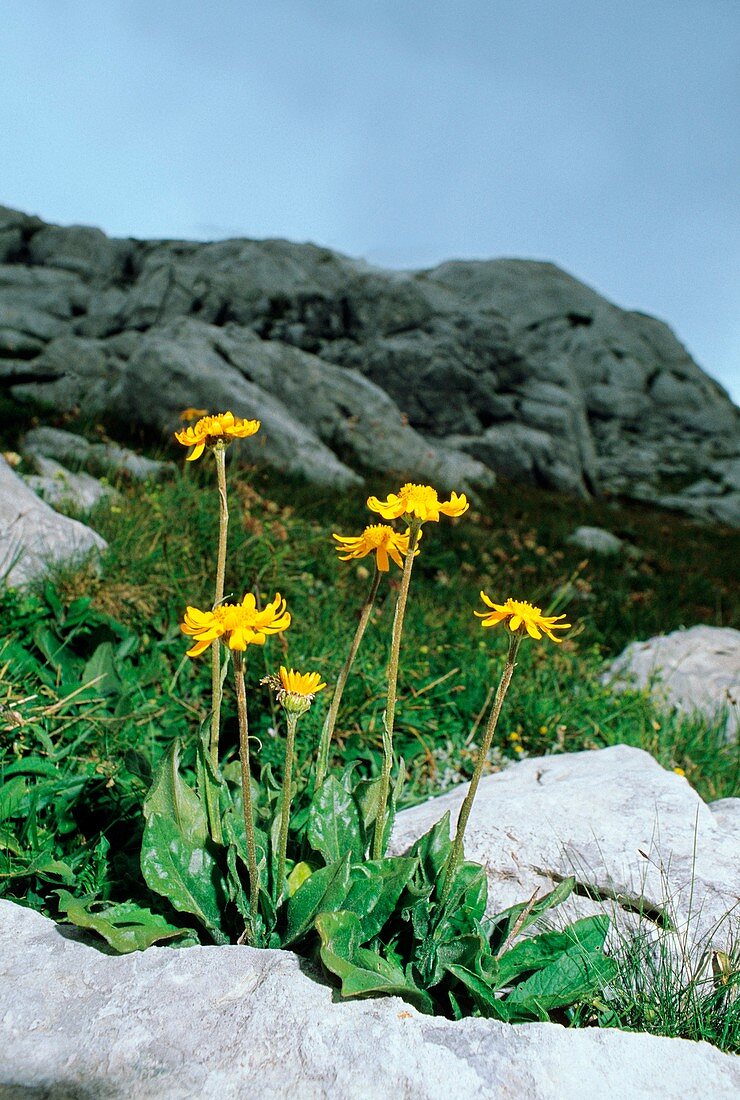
(595, 540)
(101, 459)
(229, 1022)
(33, 535)
(638, 839)
(59, 487)
(695, 670)
(463, 371)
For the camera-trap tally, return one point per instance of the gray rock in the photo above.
(101, 459)
(695, 670)
(513, 363)
(595, 540)
(228, 1022)
(33, 536)
(638, 839)
(59, 487)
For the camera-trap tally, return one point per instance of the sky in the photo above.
(602, 135)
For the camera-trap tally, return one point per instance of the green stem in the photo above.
(390, 706)
(292, 722)
(327, 732)
(462, 821)
(223, 527)
(241, 706)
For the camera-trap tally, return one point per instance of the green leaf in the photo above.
(433, 849)
(324, 891)
(375, 887)
(13, 797)
(334, 823)
(103, 668)
(126, 927)
(360, 970)
(588, 934)
(484, 996)
(177, 857)
(521, 916)
(574, 974)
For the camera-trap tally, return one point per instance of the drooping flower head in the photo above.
(211, 430)
(518, 613)
(192, 414)
(295, 691)
(239, 625)
(379, 539)
(418, 503)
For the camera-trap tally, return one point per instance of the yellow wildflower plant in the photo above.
(210, 430)
(420, 503)
(239, 625)
(379, 539)
(518, 613)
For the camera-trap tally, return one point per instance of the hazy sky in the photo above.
(600, 134)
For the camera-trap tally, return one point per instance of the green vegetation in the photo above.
(96, 686)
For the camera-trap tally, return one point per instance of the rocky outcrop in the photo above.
(696, 671)
(33, 536)
(641, 844)
(228, 1022)
(451, 374)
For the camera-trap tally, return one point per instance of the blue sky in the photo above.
(601, 135)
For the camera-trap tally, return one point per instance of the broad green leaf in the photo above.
(334, 823)
(360, 970)
(177, 857)
(484, 997)
(126, 927)
(13, 797)
(574, 975)
(375, 887)
(472, 952)
(300, 874)
(588, 934)
(521, 916)
(103, 668)
(433, 849)
(324, 891)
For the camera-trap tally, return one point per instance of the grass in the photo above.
(95, 684)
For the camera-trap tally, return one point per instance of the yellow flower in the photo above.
(239, 624)
(210, 430)
(679, 771)
(518, 613)
(301, 683)
(418, 502)
(192, 414)
(383, 540)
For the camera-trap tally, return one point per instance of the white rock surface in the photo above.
(595, 540)
(631, 832)
(59, 487)
(33, 535)
(232, 1022)
(694, 670)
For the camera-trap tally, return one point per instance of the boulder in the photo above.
(638, 839)
(697, 671)
(33, 536)
(595, 540)
(457, 373)
(59, 487)
(102, 459)
(228, 1022)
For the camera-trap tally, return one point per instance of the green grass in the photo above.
(76, 760)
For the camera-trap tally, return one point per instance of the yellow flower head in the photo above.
(239, 625)
(210, 430)
(518, 613)
(380, 539)
(301, 683)
(419, 502)
(192, 414)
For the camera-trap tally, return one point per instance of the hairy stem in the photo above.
(292, 722)
(241, 706)
(223, 527)
(390, 706)
(462, 821)
(327, 732)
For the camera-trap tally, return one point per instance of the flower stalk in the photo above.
(291, 722)
(456, 851)
(219, 452)
(390, 707)
(241, 706)
(327, 731)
